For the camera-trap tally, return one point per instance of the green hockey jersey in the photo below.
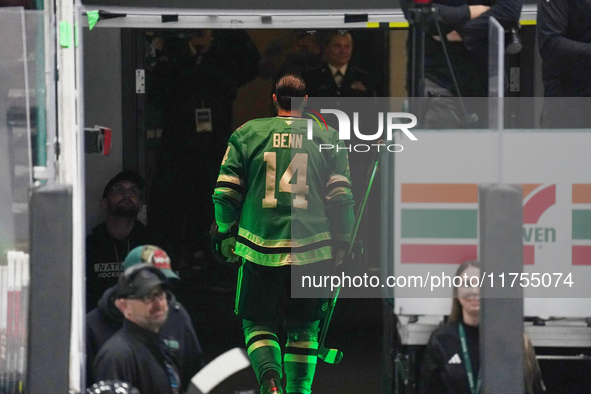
(290, 197)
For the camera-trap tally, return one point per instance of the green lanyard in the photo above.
(474, 388)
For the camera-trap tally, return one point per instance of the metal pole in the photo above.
(501, 308)
(71, 165)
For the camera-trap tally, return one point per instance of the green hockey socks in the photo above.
(300, 364)
(263, 350)
(301, 355)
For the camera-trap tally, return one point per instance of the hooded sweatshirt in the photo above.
(104, 255)
(178, 334)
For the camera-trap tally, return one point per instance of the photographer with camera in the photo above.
(455, 54)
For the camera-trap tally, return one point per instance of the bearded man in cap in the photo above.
(110, 241)
(177, 332)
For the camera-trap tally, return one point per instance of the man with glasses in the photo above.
(137, 353)
(178, 332)
(111, 241)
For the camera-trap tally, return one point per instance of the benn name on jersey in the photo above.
(287, 140)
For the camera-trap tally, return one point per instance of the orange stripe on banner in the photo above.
(581, 255)
(437, 254)
(581, 194)
(439, 192)
(528, 188)
(528, 254)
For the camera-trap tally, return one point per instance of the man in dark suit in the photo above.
(337, 77)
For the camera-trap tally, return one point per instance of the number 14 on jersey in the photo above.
(298, 166)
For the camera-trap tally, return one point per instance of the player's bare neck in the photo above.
(293, 114)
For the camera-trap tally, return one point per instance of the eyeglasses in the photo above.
(133, 191)
(159, 295)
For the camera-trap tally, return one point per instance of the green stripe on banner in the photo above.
(439, 223)
(581, 224)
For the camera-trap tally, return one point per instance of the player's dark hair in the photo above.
(287, 87)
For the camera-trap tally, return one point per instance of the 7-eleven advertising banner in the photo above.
(581, 224)
(436, 211)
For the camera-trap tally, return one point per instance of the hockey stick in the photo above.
(328, 355)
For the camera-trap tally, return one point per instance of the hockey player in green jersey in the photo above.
(293, 205)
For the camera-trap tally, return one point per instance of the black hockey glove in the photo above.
(351, 260)
(223, 244)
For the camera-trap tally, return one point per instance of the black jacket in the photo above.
(139, 357)
(443, 370)
(440, 371)
(104, 255)
(564, 38)
(178, 334)
(356, 83)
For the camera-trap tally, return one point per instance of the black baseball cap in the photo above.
(139, 280)
(126, 175)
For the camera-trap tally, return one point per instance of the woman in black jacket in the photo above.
(452, 361)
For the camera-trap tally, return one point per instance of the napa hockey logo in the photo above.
(393, 122)
(107, 270)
